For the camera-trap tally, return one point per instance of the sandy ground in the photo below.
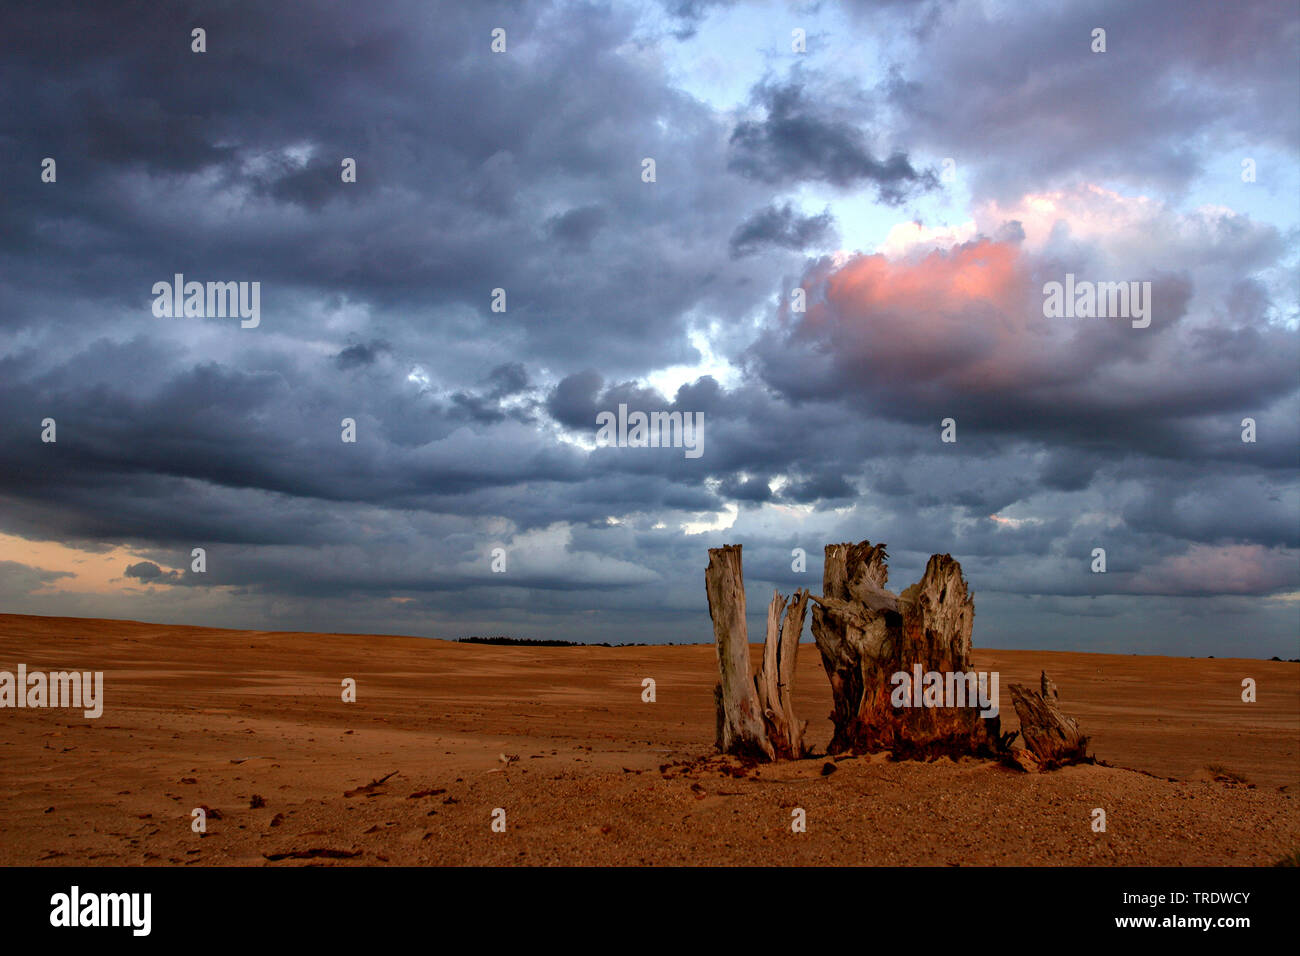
(251, 725)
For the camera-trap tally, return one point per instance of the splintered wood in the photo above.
(867, 634)
(900, 667)
(1052, 737)
(755, 714)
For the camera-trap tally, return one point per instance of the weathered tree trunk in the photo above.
(866, 634)
(775, 679)
(741, 729)
(1052, 737)
(755, 714)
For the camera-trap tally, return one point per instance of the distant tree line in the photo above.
(535, 642)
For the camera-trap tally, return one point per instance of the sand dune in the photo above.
(251, 725)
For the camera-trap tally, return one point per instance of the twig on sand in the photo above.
(369, 787)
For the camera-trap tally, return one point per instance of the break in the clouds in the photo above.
(839, 251)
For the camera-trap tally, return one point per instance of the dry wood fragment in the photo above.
(1052, 737)
(369, 787)
(755, 713)
(866, 634)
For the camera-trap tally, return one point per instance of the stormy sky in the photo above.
(915, 175)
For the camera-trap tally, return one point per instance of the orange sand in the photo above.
(204, 717)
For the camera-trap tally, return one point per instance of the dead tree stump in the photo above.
(755, 714)
(1052, 737)
(775, 679)
(866, 634)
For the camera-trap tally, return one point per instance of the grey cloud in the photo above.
(150, 573)
(781, 226)
(1014, 118)
(521, 172)
(796, 142)
(359, 355)
(578, 226)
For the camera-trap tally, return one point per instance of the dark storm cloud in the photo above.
(796, 141)
(361, 354)
(781, 226)
(827, 486)
(573, 401)
(150, 573)
(1068, 471)
(749, 490)
(227, 165)
(508, 379)
(222, 168)
(578, 226)
(521, 172)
